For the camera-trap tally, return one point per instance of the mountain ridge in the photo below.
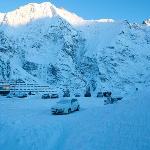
(46, 9)
(72, 53)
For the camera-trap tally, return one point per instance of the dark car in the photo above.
(31, 93)
(100, 94)
(54, 96)
(21, 95)
(77, 95)
(107, 94)
(111, 100)
(66, 93)
(46, 96)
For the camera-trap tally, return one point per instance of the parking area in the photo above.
(28, 124)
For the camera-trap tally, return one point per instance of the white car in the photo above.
(65, 106)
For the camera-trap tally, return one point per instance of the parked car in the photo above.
(100, 94)
(107, 94)
(77, 95)
(21, 95)
(31, 93)
(54, 96)
(65, 106)
(66, 93)
(111, 100)
(46, 96)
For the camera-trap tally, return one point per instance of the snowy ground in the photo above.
(27, 124)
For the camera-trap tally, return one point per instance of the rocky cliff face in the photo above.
(147, 22)
(42, 43)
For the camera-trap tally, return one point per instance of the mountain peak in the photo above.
(37, 5)
(28, 13)
(34, 11)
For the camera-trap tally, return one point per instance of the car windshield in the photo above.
(63, 102)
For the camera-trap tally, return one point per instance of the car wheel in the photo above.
(69, 111)
(78, 108)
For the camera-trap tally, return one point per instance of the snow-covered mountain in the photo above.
(42, 43)
(147, 22)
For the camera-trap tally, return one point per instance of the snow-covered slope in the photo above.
(28, 124)
(122, 52)
(70, 17)
(57, 47)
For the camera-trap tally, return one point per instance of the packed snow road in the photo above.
(27, 124)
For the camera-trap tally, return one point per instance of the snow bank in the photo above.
(28, 124)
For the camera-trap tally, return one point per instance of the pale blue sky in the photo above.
(133, 10)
